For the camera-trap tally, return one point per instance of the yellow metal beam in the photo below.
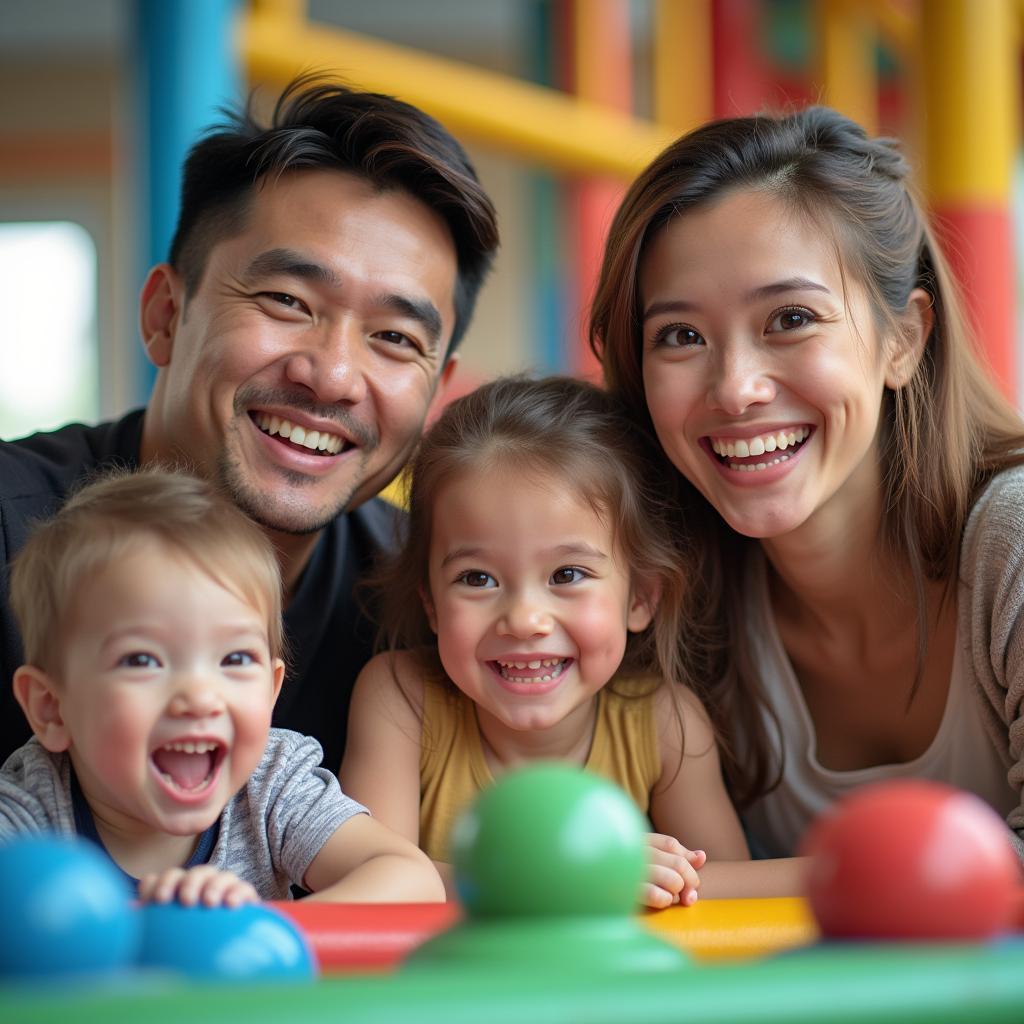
(530, 121)
(683, 76)
(846, 47)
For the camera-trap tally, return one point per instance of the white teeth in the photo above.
(314, 440)
(508, 667)
(740, 449)
(747, 467)
(188, 747)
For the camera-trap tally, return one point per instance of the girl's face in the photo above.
(529, 597)
(762, 365)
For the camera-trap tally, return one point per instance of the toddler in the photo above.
(150, 611)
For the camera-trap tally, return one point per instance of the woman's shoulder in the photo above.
(994, 535)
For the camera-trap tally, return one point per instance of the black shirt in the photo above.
(329, 637)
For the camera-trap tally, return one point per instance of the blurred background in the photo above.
(560, 102)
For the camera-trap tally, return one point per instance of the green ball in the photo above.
(550, 840)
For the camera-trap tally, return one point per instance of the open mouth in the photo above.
(189, 766)
(759, 453)
(311, 442)
(535, 670)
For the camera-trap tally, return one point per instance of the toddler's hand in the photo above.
(204, 884)
(672, 876)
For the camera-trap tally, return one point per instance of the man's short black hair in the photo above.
(325, 124)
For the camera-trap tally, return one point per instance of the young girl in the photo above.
(533, 614)
(774, 308)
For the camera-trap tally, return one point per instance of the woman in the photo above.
(774, 308)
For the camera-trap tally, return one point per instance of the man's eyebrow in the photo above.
(790, 284)
(291, 264)
(423, 311)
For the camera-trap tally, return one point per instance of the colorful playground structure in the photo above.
(546, 929)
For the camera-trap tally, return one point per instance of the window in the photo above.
(48, 345)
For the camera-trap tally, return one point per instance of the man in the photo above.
(323, 270)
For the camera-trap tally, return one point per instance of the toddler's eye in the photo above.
(476, 578)
(238, 659)
(568, 574)
(138, 659)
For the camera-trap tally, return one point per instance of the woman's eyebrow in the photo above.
(764, 291)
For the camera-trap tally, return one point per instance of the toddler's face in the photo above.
(166, 694)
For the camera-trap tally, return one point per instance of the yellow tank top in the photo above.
(453, 769)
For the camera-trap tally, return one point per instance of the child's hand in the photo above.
(204, 884)
(672, 877)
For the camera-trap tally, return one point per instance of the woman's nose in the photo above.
(741, 379)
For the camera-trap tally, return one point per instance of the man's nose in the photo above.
(331, 361)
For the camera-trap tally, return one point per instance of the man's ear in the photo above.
(428, 608)
(906, 346)
(39, 698)
(444, 379)
(160, 305)
(278, 677)
(643, 602)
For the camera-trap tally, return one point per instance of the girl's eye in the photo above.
(568, 574)
(790, 320)
(238, 659)
(677, 336)
(476, 578)
(138, 659)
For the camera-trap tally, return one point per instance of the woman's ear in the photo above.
(643, 603)
(906, 345)
(428, 608)
(159, 308)
(39, 698)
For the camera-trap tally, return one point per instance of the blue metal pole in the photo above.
(187, 68)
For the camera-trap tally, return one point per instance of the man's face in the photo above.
(299, 374)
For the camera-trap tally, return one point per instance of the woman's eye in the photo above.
(476, 578)
(677, 336)
(790, 319)
(568, 574)
(138, 659)
(238, 659)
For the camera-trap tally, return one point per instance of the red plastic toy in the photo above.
(912, 860)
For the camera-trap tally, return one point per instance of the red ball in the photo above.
(911, 860)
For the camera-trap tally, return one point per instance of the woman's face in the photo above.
(762, 365)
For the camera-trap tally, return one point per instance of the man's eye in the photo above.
(568, 574)
(475, 578)
(286, 300)
(238, 659)
(398, 339)
(138, 659)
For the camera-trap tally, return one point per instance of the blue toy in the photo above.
(64, 910)
(240, 944)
